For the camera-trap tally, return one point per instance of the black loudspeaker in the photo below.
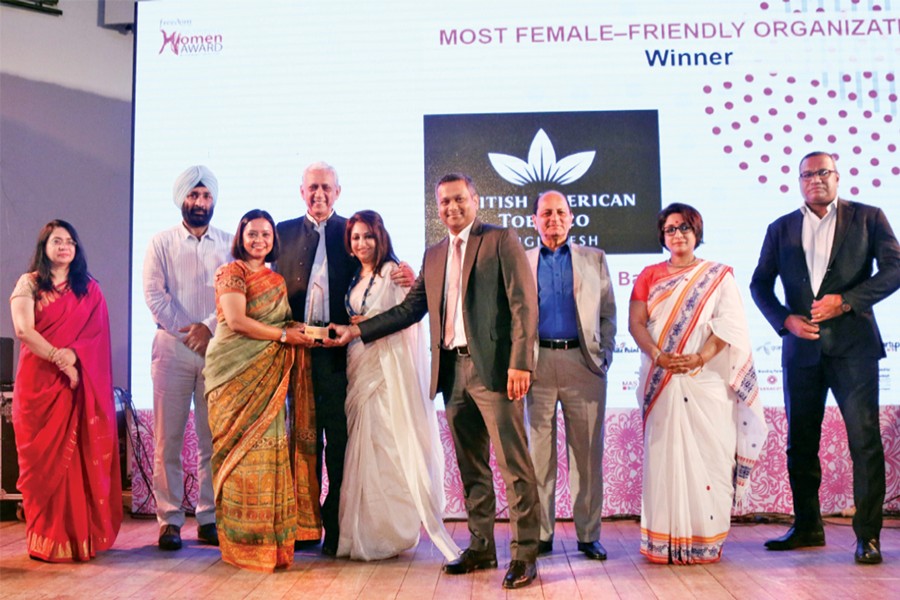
(9, 459)
(6, 364)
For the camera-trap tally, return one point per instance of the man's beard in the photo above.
(196, 216)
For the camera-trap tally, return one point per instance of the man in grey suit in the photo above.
(477, 289)
(824, 253)
(576, 328)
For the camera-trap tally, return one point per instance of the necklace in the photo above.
(353, 282)
(674, 266)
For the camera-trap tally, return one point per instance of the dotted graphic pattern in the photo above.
(768, 122)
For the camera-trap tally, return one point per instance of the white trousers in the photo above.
(177, 375)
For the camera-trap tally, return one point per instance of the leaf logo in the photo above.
(542, 165)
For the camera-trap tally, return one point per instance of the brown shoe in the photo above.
(170, 537)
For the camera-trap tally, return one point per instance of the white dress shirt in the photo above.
(318, 276)
(818, 238)
(179, 277)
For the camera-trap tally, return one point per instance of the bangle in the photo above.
(52, 353)
(656, 356)
(702, 362)
(283, 335)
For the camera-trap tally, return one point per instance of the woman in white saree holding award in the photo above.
(703, 419)
(394, 466)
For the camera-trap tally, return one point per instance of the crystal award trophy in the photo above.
(316, 327)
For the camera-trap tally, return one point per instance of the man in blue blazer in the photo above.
(824, 254)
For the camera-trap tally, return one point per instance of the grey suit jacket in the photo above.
(499, 305)
(862, 237)
(595, 304)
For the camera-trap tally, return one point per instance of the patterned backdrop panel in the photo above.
(623, 454)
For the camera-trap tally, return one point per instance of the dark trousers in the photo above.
(479, 417)
(330, 390)
(854, 383)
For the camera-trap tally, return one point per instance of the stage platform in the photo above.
(135, 568)
(622, 467)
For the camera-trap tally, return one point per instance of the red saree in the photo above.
(66, 439)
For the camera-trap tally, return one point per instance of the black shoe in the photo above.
(305, 544)
(170, 537)
(545, 546)
(329, 549)
(868, 552)
(593, 550)
(470, 560)
(798, 538)
(208, 534)
(519, 574)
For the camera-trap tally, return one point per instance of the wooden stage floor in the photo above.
(135, 568)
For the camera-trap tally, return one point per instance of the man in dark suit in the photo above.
(317, 271)
(824, 253)
(577, 329)
(476, 287)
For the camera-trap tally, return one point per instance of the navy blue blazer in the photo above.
(862, 239)
(298, 239)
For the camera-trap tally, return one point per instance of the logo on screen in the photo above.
(181, 44)
(542, 166)
(606, 164)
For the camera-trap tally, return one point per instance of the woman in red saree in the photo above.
(63, 410)
(248, 373)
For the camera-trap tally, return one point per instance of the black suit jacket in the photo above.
(499, 305)
(862, 237)
(299, 240)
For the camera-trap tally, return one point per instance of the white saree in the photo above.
(394, 465)
(703, 431)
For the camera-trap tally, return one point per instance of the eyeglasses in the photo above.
(684, 228)
(59, 243)
(823, 173)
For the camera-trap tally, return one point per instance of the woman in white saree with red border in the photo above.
(703, 420)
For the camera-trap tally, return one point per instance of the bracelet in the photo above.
(702, 362)
(283, 335)
(52, 353)
(656, 357)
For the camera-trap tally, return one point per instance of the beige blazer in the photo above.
(595, 304)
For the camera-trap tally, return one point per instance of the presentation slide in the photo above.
(624, 107)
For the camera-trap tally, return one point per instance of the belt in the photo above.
(459, 350)
(559, 344)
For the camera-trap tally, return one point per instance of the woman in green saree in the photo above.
(248, 367)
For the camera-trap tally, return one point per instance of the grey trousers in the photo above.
(563, 377)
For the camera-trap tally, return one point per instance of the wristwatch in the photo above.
(845, 306)
(283, 335)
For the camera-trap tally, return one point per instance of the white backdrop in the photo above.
(258, 90)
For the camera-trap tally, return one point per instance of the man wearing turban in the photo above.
(178, 286)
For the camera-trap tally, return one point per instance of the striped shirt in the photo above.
(179, 272)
